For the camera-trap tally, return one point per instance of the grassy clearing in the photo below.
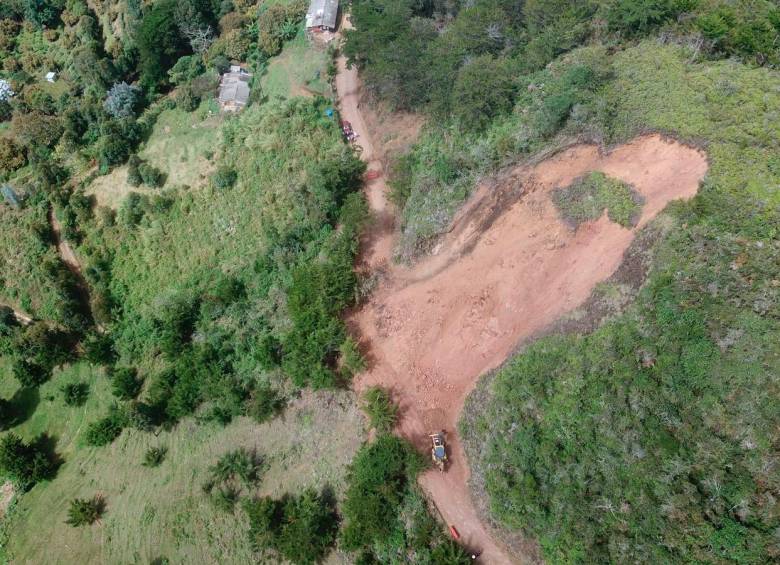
(588, 196)
(29, 264)
(154, 512)
(300, 70)
(181, 145)
(650, 440)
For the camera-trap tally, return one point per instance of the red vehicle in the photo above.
(349, 133)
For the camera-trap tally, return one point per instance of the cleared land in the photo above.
(181, 145)
(431, 331)
(299, 70)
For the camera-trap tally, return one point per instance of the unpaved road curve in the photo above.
(430, 331)
(376, 254)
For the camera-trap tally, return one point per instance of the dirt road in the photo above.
(72, 263)
(506, 271)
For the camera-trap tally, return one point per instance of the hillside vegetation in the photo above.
(175, 396)
(653, 439)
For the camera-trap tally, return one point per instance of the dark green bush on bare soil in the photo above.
(386, 517)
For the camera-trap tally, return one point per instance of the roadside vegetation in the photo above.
(653, 438)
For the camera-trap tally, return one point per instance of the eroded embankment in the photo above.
(508, 269)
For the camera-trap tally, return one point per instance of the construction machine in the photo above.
(438, 450)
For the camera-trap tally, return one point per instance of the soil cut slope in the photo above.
(508, 268)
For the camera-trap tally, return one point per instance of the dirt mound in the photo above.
(508, 268)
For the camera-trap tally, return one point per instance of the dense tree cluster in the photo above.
(461, 57)
(26, 463)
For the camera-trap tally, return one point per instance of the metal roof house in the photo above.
(234, 89)
(322, 15)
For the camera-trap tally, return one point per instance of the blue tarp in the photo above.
(10, 196)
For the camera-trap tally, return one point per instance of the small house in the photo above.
(322, 15)
(234, 89)
(51, 76)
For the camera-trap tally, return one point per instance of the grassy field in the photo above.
(162, 512)
(181, 145)
(587, 198)
(300, 70)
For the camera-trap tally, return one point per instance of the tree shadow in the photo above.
(47, 445)
(21, 407)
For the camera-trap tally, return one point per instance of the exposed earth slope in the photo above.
(507, 269)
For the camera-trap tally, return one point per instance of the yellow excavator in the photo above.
(438, 450)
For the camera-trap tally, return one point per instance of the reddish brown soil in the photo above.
(508, 268)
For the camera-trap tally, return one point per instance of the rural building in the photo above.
(51, 76)
(234, 89)
(322, 15)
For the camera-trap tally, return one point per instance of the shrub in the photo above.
(277, 24)
(308, 529)
(449, 552)
(25, 463)
(587, 198)
(150, 175)
(123, 100)
(235, 465)
(37, 349)
(186, 69)
(484, 89)
(125, 383)
(154, 456)
(133, 173)
(300, 528)
(12, 156)
(75, 394)
(224, 498)
(186, 99)
(263, 404)
(98, 348)
(382, 412)
(85, 511)
(107, 429)
(29, 374)
(219, 63)
(378, 478)
(224, 177)
(352, 361)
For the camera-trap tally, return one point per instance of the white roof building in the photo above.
(234, 89)
(322, 15)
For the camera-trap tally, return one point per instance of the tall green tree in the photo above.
(160, 43)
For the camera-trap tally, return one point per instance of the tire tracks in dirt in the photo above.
(508, 268)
